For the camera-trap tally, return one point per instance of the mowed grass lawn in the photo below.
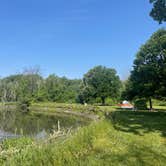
(122, 138)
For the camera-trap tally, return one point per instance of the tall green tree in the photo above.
(101, 82)
(159, 10)
(148, 78)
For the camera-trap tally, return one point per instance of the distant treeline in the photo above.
(98, 85)
(32, 86)
(102, 85)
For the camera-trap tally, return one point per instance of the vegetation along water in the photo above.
(96, 120)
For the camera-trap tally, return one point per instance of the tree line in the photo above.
(34, 87)
(100, 84)
(97, 85)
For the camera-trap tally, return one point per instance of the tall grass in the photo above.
(102, 143)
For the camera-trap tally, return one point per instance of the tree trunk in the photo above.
(103, 100)
(150, 104)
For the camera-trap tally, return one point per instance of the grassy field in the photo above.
(121, 138)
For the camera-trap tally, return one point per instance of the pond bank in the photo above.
(128, 138)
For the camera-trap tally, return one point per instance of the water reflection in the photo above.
(4, 135)
(39, 125)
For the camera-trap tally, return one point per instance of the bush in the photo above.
(140, 104)
(110, 102)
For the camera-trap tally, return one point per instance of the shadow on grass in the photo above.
(135, 155)
(139, 122)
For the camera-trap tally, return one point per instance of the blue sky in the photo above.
(68, 37)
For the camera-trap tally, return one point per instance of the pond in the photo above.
(38, 125)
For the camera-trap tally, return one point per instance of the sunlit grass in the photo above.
(122, 138)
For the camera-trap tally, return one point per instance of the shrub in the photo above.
(140, 104)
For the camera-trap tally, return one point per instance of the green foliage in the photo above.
(159, 102)
(140, 104)
(124, 138)
(97, 85)
(74, 109)
(159, 10)
(110, 101)
(34, 88)
(17, 143)
(61, 89)
(100, 82)
(148, 78)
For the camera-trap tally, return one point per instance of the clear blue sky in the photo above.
(68, 37)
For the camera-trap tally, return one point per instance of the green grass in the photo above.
(89, 111)
(122, 138)
(54, 107)
(160, 108)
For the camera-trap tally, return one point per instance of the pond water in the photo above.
(38, 125)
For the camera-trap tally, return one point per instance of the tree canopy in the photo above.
(148, 78)
(158, 11)
(34, 87)
(100, 82)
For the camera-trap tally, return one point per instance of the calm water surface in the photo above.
(39, 125)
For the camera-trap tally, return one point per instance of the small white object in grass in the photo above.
(125, 102)
(85, 104)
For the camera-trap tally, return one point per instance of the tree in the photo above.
(148, 78)
(61, 89)
(85, 94)
(29, 86)
(101, 82)
(9, 88)
(159, 10)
